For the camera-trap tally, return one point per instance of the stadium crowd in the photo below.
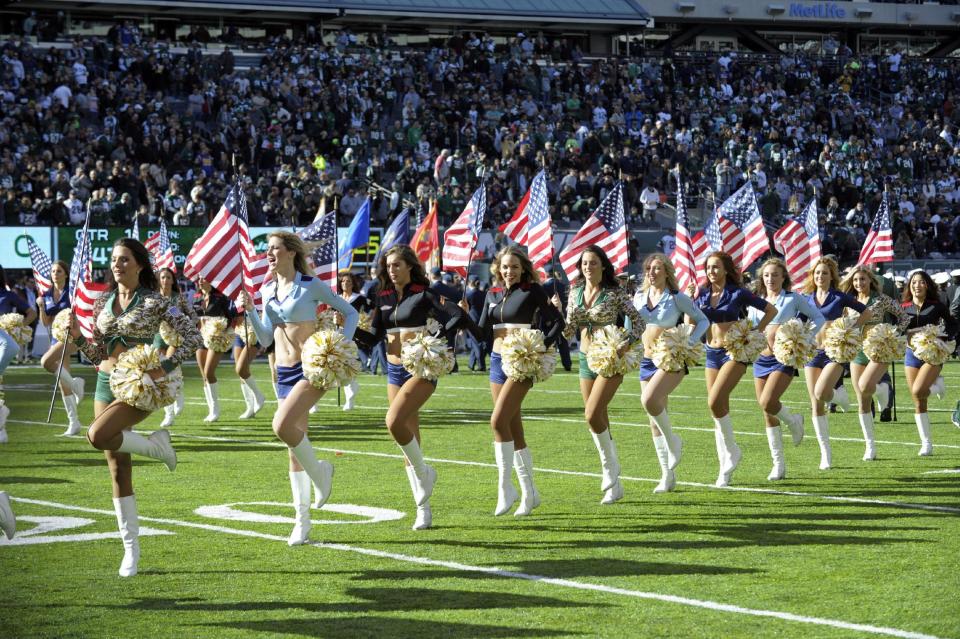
(130, 125)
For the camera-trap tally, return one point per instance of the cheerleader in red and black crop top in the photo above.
(401, 311)
(208, 304)
(922, 306)
(516, 301)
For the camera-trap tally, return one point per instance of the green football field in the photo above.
(864, 549)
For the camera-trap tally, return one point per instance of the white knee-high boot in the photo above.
(156, 446)
(8, 522)
(213, 402)
(923, 427)
(252, 396)
(821, 426)
(668, 480)
(349, 393)
(178, 404)
(866, 425)
(129, 525)
(609, 462)
(794, 422)
(529, 497)
(300, 488)
(320, 472)
(728, 453)
(775, 441)
(673, 442)
(426, 475)
(506, 493)
(169, 414)
(75, 384)
(73, 419)
(424, 518)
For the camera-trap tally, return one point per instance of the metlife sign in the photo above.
(819, 11)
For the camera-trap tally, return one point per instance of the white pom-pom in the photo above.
(433, 326)
(795, 343)
(525, 357)
(743, 343)
(131, 384)
(673, 350)
(929, 346)
(883, 343)
(216, 336)
(60, 328)
(13, 324)
(426, 356)
(329, 360)
(603, 355)
(842, 340)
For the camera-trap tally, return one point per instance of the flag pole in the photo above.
(483, 185)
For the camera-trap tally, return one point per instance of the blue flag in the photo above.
(397, 233)
(358, 235)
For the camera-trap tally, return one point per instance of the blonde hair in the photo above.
(527, 273)
(808, 284)
(671, 273)
(294, 243)
(846, 285)
(773, 261)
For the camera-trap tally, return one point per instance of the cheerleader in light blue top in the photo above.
(289, 319)
(662, 306)
(821, 372)
(771, 378)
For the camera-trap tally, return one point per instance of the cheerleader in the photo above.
(348, 289)
(245, 348)
(821, 372)
(662, 306)
(57, 299)
(868, 376)
(8, 523)
(289, 319)
(404, 303)
(923, 308)
(8, 350)
(771, 378)
(170, 289)
(595, 301)
(128, 314)
(724, 301)
(513, 303)
(208, 305)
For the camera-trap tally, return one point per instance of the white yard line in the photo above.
(510, 574)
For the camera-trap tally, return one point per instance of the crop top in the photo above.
(932, 312)
(731, 306)
(10, 302)
(517, 306)
(300, 305)
(611, 308)
(669, 312)
(138, 324)
(884, 309)
(419, 303)
(51, 307)
(833, 305)
(217, 306)
(790, 305)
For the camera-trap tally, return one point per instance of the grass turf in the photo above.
(875, 544)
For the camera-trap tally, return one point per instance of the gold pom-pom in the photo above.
(743, 343)
(60, 328)
(170, 336)
(674, 350)
(795, 343)
(433, 326)
(929, 346)
(883, 343)
(329, 360)
(525, 357)
(327, 320)
(13, 324)
(603, 356)
(131, 384)
(842, 340)
(244, 330)
(426, 356)
(364, 322)
(216, 335)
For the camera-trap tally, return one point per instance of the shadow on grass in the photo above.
(365, 626)
(32, 480)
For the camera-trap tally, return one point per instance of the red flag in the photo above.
(426, 240)
(878, 247)
(799, 242)
(605, 228)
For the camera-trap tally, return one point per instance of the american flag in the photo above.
(741, 227)
(224, 254)
(684, 255)
(81, 267)
(135, 231)
(159, 246)
(878, 247)
(461, 237)
(605, 228)
(41, 266)
(799, 242)
(531, 224)
(87, 294)
(323, 233)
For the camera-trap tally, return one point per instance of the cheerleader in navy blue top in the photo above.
(922, 306)
(516, 301)
(724, 302)
(821, 372)
(348, 287)
(10, 302)
(771, 378)
(208, 304)
(57, 299)
(662, 306)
